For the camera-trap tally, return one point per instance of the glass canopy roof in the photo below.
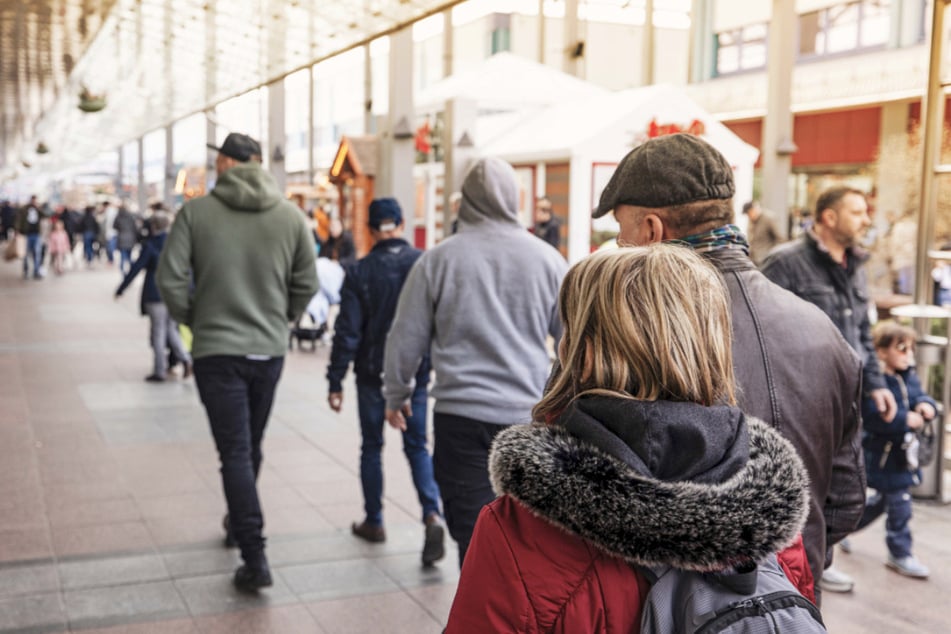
(151, 62)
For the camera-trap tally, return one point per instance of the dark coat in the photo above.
(796, 373)
(550, 231)
(617, 482)
(340, 248)
(368, 300)
(805, 267)
(885, 461)
(148, 261)
(127, 230)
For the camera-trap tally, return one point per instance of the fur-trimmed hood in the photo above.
(599, 479)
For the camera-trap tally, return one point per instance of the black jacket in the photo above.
(805, 267)
(796, 373)
(367, 305)
(148, 261)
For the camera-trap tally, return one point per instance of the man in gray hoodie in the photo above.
(482, 303)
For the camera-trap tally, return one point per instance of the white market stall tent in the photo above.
(592, 134)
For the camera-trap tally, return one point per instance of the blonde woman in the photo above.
(638, 456)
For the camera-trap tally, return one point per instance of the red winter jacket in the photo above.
(523, 574)
(554, 552)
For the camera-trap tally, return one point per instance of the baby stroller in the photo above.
(313, 325)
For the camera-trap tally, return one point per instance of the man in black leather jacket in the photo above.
(367, 305)
(792, 365)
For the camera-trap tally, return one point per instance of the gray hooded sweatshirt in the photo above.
(482, 303)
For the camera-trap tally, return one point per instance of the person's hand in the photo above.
(397, 417)
(885, 403)
(335, 400)
(914, 420)
(926, 410)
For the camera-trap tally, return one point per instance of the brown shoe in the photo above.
(434, 547)
(369, 532)
(187, 371)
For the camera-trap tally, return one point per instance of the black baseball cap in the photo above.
(666, 171)
(239, 146)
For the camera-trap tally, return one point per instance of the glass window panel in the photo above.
(753, 55)
(728, 59)
(876, 23)
(809, 33)
(755, 32)
(842, 28)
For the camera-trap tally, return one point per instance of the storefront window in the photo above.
(844, 27)
(741, 49)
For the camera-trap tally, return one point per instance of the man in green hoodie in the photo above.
(238, 265)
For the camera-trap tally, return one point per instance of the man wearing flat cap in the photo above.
(238, 265)
(367, 305)
(794, 369)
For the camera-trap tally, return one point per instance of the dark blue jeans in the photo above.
(34, 253)
(372, 406)
(897, 508)
(461, 465)
(237, 394)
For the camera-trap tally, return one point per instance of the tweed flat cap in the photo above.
(667, 171)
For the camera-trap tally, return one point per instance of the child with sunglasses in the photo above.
(891, 449)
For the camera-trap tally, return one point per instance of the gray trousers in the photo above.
(164, 331)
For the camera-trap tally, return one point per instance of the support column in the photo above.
(448, 52)
(574, 48)
(311, 160)
(120, 175)
(211, 136)
(276, 134)
(889, 176)
(541, 31)
(701, 41)
(368, 119)
(398, 155)
(141, 195)
(647, 54)
(171, 174)
(778, 146)
(460, 150)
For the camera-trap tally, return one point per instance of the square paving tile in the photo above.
(291, 619)
(174, 626)
(112, 571)
(25, 544)
(102, 538)
(43, 612)
(28, 580)
(335, 579)
(368, 614)
(194, 563)
(117, 604)
(213, 594)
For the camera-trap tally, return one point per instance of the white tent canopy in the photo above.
(594, 133)
(507, 82)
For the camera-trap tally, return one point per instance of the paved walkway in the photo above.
(110, 502)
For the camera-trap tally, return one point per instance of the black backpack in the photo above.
(758, 601)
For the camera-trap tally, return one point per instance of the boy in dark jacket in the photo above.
(891, 448)
(163, 329)
(367, 305)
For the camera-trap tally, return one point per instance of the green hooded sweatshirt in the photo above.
(250, 257)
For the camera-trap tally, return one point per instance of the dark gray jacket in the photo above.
(805, 267)
(797, 373)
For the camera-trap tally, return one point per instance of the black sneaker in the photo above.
(155, 378)
(247, 579)
(434, 547)
(230, 541)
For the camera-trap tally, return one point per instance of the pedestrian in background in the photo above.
(238, 265)
(825, 267)
(638, 458)
(483, 303)
(679, 188)
(367, 305)
(163, 330)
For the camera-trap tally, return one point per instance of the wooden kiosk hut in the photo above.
(353, 171)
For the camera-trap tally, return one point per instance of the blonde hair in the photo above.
(886, 333)
(648, 323)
